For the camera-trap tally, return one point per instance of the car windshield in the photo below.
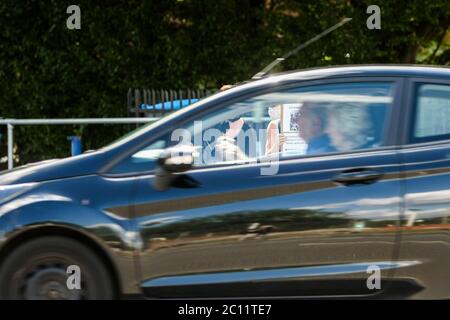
(140, 130)
(136, 131)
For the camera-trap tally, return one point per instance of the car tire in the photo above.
(39, 270)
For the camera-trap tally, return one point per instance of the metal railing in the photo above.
(156, 102)
(10, 123)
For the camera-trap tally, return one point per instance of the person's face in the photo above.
(274, 112)
(310, 126)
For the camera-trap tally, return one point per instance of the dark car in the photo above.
(354, 203)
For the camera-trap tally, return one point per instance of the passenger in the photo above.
(312, 124)
(349, 127)
(275, 140)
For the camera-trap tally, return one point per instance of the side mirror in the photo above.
(173, 160)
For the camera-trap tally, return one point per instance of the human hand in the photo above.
(235, 128)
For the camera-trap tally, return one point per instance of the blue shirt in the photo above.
(320, 144)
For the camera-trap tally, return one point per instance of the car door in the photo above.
(314, 226)
(425, 221)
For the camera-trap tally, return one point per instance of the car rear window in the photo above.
(432, 117)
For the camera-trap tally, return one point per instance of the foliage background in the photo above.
(48, 71)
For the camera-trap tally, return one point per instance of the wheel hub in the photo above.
(50, 284)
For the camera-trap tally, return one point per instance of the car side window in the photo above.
(300, 121)
(432, 114)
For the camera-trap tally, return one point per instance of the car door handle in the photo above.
(358, 176)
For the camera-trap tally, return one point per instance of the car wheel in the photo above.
(38, 270)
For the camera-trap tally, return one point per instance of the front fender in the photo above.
(113, 235)
(6, 228)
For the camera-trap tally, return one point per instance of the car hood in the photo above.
(84, 164)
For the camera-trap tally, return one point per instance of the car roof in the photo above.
(367, 70)
(380, 70)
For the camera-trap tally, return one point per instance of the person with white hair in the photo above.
(349, 127)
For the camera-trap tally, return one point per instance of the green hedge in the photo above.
(49, 71)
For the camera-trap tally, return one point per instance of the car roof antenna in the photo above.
(274, 63)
